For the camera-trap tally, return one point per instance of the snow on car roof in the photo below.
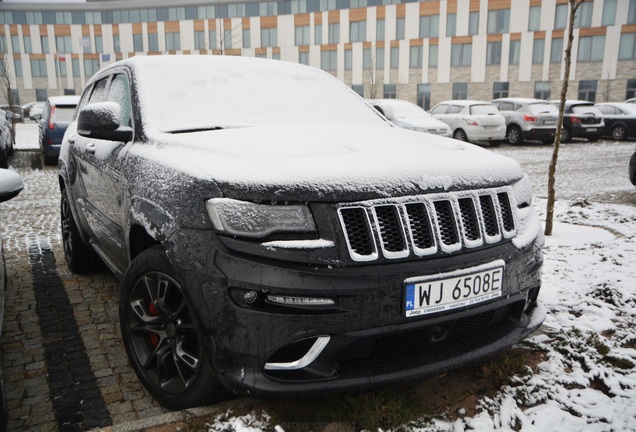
(64, 100)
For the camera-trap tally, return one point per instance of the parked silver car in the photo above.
(528, 119)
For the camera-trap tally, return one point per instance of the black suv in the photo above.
(276, 236)
(581, 119)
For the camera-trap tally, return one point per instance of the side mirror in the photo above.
(385, 110)
(8, 115)
(101, 120)
(10, 184)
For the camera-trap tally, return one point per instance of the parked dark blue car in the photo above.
(58, 113)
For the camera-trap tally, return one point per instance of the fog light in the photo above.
(299, 301)
(250, 297)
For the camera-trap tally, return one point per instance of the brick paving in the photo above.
(64, 363)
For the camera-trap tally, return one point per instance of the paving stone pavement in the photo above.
(64, 363)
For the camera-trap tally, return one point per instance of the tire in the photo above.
(162, 336)
(514, 136)
(50, 160)
(79, 257)
(566, 135)
(619, 132)
(4, 159)
(460, 135)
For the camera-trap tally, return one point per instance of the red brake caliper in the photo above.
(154, 337)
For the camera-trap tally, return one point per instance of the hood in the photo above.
(420, 123)
(328, 161)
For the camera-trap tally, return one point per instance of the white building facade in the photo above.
(422, 51)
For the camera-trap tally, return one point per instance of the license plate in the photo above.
(462, 288)
(550, 122)
(592, 129)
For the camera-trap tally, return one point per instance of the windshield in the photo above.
(404, 109)
(215, 92)
(483, 109)
(543, 108)
(586, 110)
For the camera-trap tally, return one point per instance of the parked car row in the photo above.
(515, 120)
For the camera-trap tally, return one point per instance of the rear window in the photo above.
(483, 109)
(63, 114)
(586, 110)
(543, 108)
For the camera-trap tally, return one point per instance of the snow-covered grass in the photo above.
(587, 379)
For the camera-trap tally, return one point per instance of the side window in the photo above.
(455, 109)
(440, 109)
(120, 93)
(99, 92)
(506, 106)
(607, 110)
(84, 99)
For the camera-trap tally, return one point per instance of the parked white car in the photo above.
(474, 121)
(407, 115)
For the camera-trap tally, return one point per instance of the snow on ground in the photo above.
(588, 379)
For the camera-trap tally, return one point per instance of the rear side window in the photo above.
(440, 109)
(455, 109)
(543, 108)
(586, 110)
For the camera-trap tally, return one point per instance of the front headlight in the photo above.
(246, 219)
(523, 191)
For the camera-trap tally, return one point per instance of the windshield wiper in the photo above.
(195, 129)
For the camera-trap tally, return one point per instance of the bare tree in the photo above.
(574, 5)
(373, 76)
(6, 84)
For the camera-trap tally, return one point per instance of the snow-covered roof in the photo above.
(64, 100)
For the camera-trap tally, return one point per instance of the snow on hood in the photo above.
(327, 161)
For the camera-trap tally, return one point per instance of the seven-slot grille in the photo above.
(427, 225)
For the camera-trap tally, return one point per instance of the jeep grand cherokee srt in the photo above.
(275, 236)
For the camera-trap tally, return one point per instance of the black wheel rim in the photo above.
(67, 224)
(162, 335)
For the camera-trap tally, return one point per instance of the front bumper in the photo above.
(370, 341)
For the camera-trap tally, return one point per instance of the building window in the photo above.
(334, 33)
(173, 41)
(534, 19)
(301, 35)
(18, 68)
(15, 42)
(493, 53)
(631, 13)
(27, 44)
(358, 31)
(499, 21)
(15, 96)
(429, 26)
(63, 44)
(366, 59)
(44, 41)
(358, 88)
(199, 40)
(138, 42)
(587, 90)
(433, 55)
(451, 24)
(542, 90)
(415, 58)
(500, 89)
(318, 34)
(379, 58)
(86, 45)
(515, 51)
(269, 37)
(609, 13)
(153, 42)
(41, 95)
(556, 50)
(303, 58)
(460, 90)
(538, 48)
(583, 17)
(461, 54)
(90, 67)
(627, 47)
(424, 96)
(247, 38)
(630, 91)
(394, 60)
(329, 60)
(390, 91)
(276, 56)
(348, 57)
(379, 29)
(76, 67)
(227, 41)
(38, 68)
(591, 48)
(560, 16)
(473, 23)
(99, 44)
(116, 44)
(211, 39)
(60, 70)
(399, 28)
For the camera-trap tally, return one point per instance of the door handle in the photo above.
(91, 147)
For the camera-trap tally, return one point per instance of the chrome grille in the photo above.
(428, 224)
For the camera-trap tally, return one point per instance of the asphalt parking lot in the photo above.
(64, 363)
